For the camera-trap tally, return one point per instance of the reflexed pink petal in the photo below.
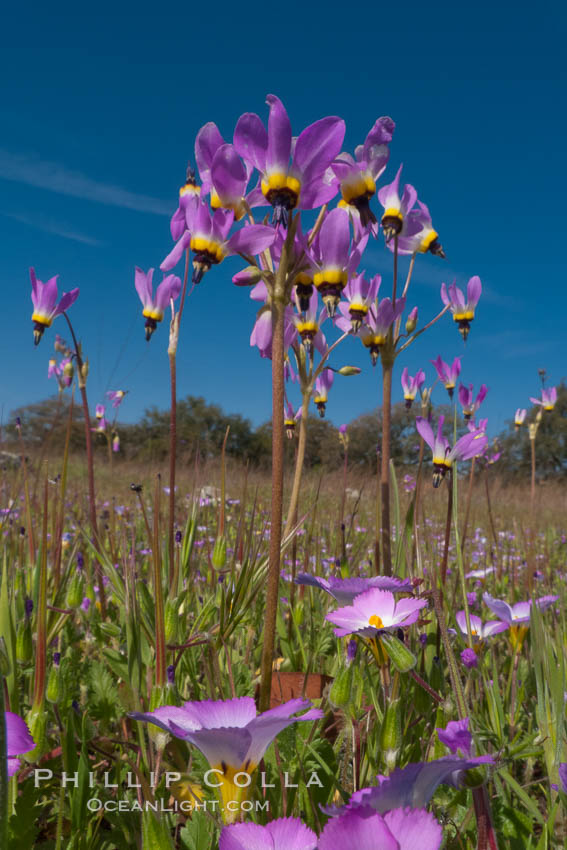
(279, 137)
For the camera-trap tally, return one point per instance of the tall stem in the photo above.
(82, 377)
(158, 594)
(299, 460)
(172, 354)
(172, 461)
(278, 438)
(387, 368)
(468, 508)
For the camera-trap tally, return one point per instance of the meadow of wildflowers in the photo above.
(268, 662)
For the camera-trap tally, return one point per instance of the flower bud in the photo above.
(400, 656)
(75, 592)
(391, 733)
(349, 370)
(68, 373)
(54, 686)
(24, 642)
(411, 321)
(249, 276)
(171, 618)
(341, 689)
(37, 724)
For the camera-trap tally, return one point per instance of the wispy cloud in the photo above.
(44, 174)
(58, 228)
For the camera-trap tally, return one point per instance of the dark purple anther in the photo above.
(171, 675)
(57, 658)
(28, 606)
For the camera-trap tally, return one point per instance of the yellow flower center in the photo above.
(427, 240)
(376, 621)
(333, 277)
(202, 245)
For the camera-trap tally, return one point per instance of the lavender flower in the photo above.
(411, 386)
(548, 398)
(18, 740)
(279, 834)
(469, 446)
(469, 406)
(448, 374)
(154, 307)
(45, 305)
(303, 184)
(395, 208)
(358, 176)
(462, 310)
(373, 612)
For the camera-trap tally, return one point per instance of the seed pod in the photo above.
(400, 656)
(171, 620)
(391, 733)
(341, 689)
(75, 592)
(54, 688)
(24, 642)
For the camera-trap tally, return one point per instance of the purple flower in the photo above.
(358, 176)
(154, 306)
(322, 386)
(228, 733)
(115, 442)
(335, 257)
(519, 417)
(398, 829)
(53, 370)
(99, 411)
(291, 417)
(308, 181)
(456, 736)
(45, 306)
(411, 386)
(469, 406)
(116, 397)
(342, 429)
(479, 630)
(360, 294)
(395, 221)
(374, 332)
(547, 400)
(207, 235)
(308, 324)
(279, 834)
(373, 612)
(470, 445)
(18, 740)
(420, 236)
(519, 613)
(411, 786)
(261, 335)
(344, 590)
(448, 374)
(469, 658)
(563, 776)
(463, 311)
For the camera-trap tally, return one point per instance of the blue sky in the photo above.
(100, 111)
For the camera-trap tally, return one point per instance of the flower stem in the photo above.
(301, 443)
(468, 508)
(90, 462)
(387, 368)
(278, 437)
